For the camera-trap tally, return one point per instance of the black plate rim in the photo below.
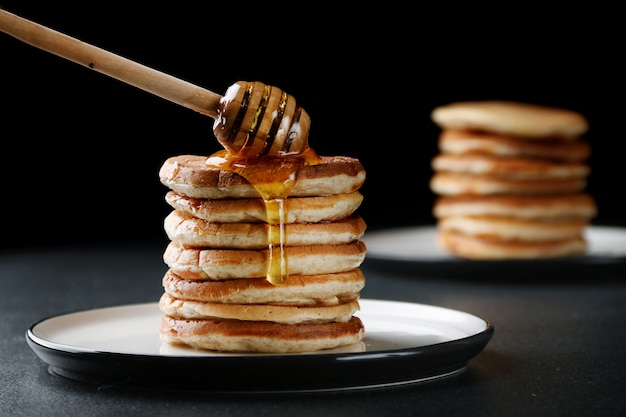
(342, 371)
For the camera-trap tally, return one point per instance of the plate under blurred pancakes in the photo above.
(414, 251)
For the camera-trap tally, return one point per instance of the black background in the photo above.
(81, 151)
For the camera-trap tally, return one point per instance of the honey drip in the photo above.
(277, 269)
(273, 177)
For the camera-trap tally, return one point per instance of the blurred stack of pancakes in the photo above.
(510, 180)
(217, 294)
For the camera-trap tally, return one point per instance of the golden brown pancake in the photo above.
(522, 120)
(509, 167)
(191, 176)
(302, 290)
(473, 247)
(510, 228)
(248, 210)
(221, 264)
(454, 141)
(189, 231)
(580, 205)
(450, 184)
(260, 336)
(288, 314)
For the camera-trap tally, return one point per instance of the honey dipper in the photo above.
(251, 118)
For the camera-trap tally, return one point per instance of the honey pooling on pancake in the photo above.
(273, 177)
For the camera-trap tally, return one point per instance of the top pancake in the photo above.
(528, 121)
(189, 175)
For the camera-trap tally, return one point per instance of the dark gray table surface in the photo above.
(558, 347)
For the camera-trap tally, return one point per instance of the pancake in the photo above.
(454, 141)
(260, 336)
(191, 309)
(189, 175)
(528, 121)
(297, 209)
(477, 248)
(303, 290)
(447, 184)
(509, 228)
(509, 167)
(580, 205)
(218, 264)
(189, 231)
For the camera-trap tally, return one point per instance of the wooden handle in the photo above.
(130, 72)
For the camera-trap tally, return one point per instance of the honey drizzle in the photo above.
(277, 269)
(273, 177)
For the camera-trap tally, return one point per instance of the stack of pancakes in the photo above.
(216, 292)
(510, 179)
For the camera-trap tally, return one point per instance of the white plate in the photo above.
(404, 343)
(416, 247)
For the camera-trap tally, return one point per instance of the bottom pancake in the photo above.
(473, 247)
(260, 336)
